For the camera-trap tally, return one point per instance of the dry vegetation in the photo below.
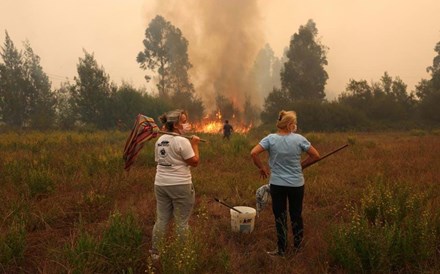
(68, 206)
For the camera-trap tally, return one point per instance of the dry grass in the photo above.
(83, 184)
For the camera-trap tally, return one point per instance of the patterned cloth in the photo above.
(261, 196)
(143, 130)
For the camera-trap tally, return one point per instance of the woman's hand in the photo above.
(264, 173)
(195, 140)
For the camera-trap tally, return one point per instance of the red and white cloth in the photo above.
(144, 129)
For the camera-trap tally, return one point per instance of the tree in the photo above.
(65, 106)
(13, 87)
(303, 75)
(250, 112)
(276, 101)
(26, 99)
(188, 101)
(386, 101)
(428, 91)
(165, 52)
(435, 68)
(266, 71)
(129, 102)
(41, 99)
(92, 92)
(226, 107)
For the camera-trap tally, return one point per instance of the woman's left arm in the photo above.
(313, 156)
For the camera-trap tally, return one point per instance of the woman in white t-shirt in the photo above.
(173, 186)
(285, 148)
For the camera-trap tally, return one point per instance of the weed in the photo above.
(180, 254)
(390, 227)
(13, 244)
(314, 138)
(351, 140)
(82, 254)
(121, 242)
(39, 182)
(417, 132)
(392, 230)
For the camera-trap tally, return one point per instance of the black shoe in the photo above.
(276, 252)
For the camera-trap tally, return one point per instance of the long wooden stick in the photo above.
(176, 134)
(225, 204)
(325, 156)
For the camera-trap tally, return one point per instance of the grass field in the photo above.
(69, 207)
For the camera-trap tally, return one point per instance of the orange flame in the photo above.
(215, 126)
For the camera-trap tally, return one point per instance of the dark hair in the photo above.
(226, 121)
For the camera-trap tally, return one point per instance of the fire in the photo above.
(215, 125)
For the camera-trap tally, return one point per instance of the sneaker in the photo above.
(276, 252)
(154, 255)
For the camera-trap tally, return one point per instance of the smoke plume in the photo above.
(224, 38)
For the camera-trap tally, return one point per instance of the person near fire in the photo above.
(173, 188)
(285, 148)
(227, 130)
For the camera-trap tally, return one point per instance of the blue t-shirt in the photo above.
(285, 158)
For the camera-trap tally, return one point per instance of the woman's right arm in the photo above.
(255, 152)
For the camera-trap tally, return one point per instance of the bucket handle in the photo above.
(225, 204)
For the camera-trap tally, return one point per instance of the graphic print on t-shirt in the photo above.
(164, 159)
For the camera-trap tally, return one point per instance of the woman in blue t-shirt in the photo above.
(286, 177)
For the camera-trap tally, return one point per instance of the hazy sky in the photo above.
(365, 37)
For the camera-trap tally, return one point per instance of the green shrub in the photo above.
(392, 230)
(39, 182)
(117, 251)
(82, 254)
(13, 244)
(314, 138)
(351, 140)
(180, 254)
(417, 132)
(121, 243)
(239, 143)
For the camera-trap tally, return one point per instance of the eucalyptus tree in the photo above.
(303, 75)
(265, 72)
(428, 91)
(165, 55)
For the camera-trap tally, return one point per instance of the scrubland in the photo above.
(69, 207)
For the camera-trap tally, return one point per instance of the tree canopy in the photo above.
(428, 91)
(303, 75)
(166, 52)
(26, 99)
(91, 92)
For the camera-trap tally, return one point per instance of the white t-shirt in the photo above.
(170, 154)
